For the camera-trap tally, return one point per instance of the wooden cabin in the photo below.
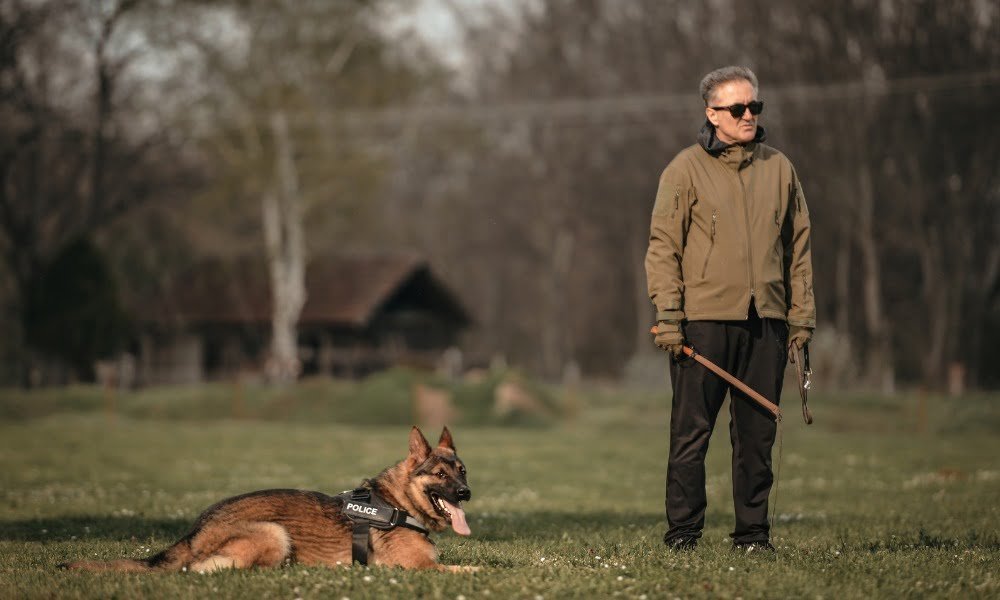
(363, 313)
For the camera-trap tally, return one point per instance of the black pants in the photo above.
(754, 352)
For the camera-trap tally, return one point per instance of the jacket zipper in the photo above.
(711, 244)
(746, 215)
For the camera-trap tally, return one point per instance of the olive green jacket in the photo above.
(730, 225)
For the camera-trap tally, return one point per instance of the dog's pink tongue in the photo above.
(457, 519)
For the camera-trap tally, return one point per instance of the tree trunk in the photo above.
(282, 220)
(982, 297)
(880, 367)
(936, 285)
(645, 315)
(842, 286)
(556, 336)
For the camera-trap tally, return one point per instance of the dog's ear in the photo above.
(446, 441)
(419, 448)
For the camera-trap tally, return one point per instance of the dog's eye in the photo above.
(462, 470)
(440, 474)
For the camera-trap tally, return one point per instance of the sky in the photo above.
(439, 23)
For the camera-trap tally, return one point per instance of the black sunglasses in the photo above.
(756, 107)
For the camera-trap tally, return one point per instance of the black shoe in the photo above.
(682, 544)
(754, 547)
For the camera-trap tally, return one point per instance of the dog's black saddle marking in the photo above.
(366, 509)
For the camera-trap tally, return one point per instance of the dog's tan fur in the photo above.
(274, 527)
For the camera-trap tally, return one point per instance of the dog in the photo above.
(270, 528)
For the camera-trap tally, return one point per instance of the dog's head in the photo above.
(437, 484)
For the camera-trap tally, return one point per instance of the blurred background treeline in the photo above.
(517, 157)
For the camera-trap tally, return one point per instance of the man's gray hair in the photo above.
(713, 80)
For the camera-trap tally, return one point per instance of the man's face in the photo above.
(730, 129)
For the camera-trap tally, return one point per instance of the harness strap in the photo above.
(367, 510)
(359, 542)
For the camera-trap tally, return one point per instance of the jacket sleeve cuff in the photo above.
(670, 315)
(799, 322)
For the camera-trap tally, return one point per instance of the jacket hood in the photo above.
(715, 146)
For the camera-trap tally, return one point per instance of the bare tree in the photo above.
(64, 134)
(273, 129)
(283, 233)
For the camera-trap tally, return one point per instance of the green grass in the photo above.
(881, 498)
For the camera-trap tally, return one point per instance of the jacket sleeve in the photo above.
(798, 257)
(667, 236)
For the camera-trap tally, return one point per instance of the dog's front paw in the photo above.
(461, 568)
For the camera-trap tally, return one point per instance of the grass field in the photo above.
(881, 498)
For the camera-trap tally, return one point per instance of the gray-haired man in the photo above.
(729, 271)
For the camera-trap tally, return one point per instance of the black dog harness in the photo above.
(366, 509)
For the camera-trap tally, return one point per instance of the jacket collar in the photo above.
(734, 155)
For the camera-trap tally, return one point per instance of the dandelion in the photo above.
(620, 578)
(542, 559)
(731, 569)
(393, 581)
(367, 578)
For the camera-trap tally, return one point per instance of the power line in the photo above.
(615, 107)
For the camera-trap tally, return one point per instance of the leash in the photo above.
(801, 361)
(800, 358)
(770, 406)
(777, 478)
(746, 389)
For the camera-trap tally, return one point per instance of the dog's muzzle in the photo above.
(463, 493)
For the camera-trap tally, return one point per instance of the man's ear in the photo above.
(419, 448)
(446, 441)
(712, 116)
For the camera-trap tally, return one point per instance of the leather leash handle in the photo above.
(746, 389)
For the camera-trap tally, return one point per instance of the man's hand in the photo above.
(797, 338)
(669, 337)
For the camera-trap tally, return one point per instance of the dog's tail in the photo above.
(174, 558)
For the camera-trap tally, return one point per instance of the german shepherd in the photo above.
(274, 527)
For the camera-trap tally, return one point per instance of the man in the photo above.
(729, 271)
